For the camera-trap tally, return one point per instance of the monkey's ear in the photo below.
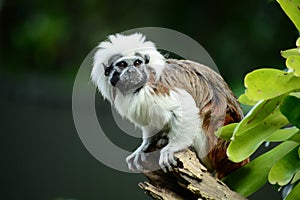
(107, 70)
(147, 58)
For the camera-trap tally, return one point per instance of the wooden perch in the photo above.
(190, 180)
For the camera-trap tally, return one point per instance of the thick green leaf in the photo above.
(282, 134)
(290, 107)
(247, 142)
(244, 100)
(298, 42)
(290, 52)
(291, 8)
(296, 177)
(269, 83)
(255, 128)
(258, 113)
(284, 170)
(225, 132)
(295, 137)
(254, 175)
(293, 63)
(295, 193)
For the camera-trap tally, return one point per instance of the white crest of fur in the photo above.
(126, 45)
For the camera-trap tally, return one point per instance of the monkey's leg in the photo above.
(134, 160)
(151, 137)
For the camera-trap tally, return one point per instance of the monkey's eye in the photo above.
(122, 64)
(137, 62)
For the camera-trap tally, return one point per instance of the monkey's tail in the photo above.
(220, 162)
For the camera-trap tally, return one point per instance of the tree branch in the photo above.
(190, 180)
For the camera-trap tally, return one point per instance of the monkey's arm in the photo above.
(185, 127)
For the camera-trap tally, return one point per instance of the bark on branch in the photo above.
(190, 180)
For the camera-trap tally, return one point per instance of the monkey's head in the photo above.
(127, 73)
(123, 62)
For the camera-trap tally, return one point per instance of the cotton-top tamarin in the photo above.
(184, 101)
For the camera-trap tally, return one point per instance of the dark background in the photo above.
(42, 45)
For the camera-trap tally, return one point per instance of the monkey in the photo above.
(177, 103)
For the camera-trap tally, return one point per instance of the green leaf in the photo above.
(244, 100)
(295, 137)
(225, 132)
(291, 8)
(269, 83)
(290, 107)
(284, 170)
(296, 177)
(282, 134)
(295, 193)
(255, 116)
(247, 141)
(250, 133)
(293, 63)
(290, 52)
(254, 175)
(298, 42)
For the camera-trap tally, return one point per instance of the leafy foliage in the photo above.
(291, 8)
(274, 117)
(255, 174)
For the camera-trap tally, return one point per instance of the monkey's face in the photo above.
(128, 74)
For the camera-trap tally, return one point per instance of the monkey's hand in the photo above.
(135, 159)
(167, 159)
(149, 145)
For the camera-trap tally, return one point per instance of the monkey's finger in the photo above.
(139, 168)
(136, 161)
(172, 160)
(164, 169)
(170, 167)
(144, 157)
(131, 167)
(164, 163)
(130, 162)
(129, 158)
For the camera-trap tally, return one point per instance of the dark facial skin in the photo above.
(108, 69)
(128, 74)
(115, 78)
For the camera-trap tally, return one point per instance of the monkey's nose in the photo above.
(115, 78)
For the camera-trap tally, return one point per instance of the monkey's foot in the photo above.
(167, 159)
(134, 160)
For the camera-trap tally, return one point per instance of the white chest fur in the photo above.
(146, 109)
(152, 112)
(177, 110)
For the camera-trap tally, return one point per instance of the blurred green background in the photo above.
(42, 45)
